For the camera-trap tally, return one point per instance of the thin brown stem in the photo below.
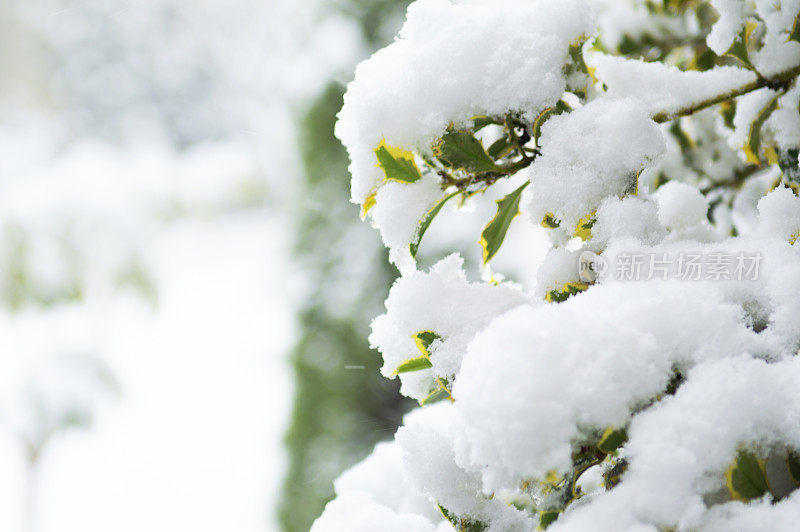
(779, 81)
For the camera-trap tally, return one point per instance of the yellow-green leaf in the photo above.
(547, 518)
(414, 364)
(738, 49)
(795, 33)
(788, 162)
(481, 121)
(752, 147)
(441, 392)
(397, 164)
(746, 478)
(368, 204)
(460, 150)
(793, 465)
(584, 228)
(500, 148)
(566, 291)
(550, 221)
(423, 340)
(462, 524)
(426, 222)
(545, 115)
(612, 439)
(495, 232)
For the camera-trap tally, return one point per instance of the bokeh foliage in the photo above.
(343, 406)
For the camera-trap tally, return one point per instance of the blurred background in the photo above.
(185, 292)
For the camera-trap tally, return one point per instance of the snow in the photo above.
(662, 88)
(630, 217)
(462, 309)
(778, 53)
(527, 389)
(409, 92)
(399, 208)
(680, 205)
(358, 512)
(779, 213)
(570, 181)
(181, 424)
(726, 29)
(733, 402)
(427, 439)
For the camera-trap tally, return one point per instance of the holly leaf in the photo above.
(788, 161)
(500, 148)
(612, 439)
(752, 146)
(462, 524)
(566, 291)
(424, 339)
(547, 114)
(547, 518)
(738, 49)
(495, 232)
(460, 150)
(481, 121)
(793, 465)
(795, 33)
(413, 364)
(584, 228)
(426, 222)
(746, 478)
(441, 392)
(397, 164)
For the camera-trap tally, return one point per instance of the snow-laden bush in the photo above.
(648, 379)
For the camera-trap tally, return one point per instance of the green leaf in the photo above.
(424, 339)
(795, 33)
(685, 142)
(793, 465)
(460, 524)
(500, 148)
(426, 222)
(397, 164)
(547, 518)
(550, 221)
(738, 49)
(413, 364)
(547, 114)
(746, 478)
(495, 232)
(435, 396)
(584, 227)
(787, 160)
(728, 110)
(481, 121)
(612, 439)
(752, 147)
(460, 150)
(566, 291)
(441, 392)
(613, 475)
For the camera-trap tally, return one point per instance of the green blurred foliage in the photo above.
(343, 406)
